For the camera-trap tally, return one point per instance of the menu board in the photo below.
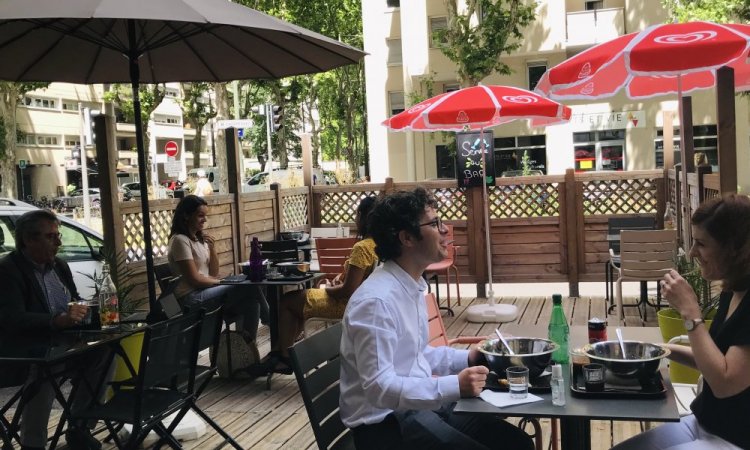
(469, 147)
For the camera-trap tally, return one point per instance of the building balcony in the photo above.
(586, 28)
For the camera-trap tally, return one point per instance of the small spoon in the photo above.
(505, 343)
(618, 331)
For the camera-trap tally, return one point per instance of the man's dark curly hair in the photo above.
(395, 212)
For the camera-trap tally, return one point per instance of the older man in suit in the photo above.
(38, 289)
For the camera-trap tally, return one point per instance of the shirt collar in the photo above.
(38, 267)
(407, 282)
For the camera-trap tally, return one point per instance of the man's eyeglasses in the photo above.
(437, 222)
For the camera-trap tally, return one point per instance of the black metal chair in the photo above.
(614, 226)
(316, 365)
(169, 352)
(209, 338)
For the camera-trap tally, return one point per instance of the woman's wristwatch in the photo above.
(691, 324)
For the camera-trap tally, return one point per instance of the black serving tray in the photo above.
(292, 277)
(620, 388)
(539, 385)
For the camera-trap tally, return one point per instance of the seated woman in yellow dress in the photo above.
(328, 302)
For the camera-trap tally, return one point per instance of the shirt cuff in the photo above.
(460, 360)
(449, 388)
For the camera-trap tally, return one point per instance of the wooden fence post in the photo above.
(573, 205)
(661, 189)
(727, 135)
(234, 182)
(702, 171)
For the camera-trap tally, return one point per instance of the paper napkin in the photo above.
(503, 399)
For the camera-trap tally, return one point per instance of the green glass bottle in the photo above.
(559, 330)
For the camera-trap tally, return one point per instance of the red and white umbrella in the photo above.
(663, 59)
(477, 108)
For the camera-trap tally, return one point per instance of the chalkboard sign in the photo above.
(469, 158)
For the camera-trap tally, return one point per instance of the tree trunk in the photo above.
(8, 159)
(222, 112)
(197, 142)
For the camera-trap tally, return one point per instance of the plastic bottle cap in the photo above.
(556, 371)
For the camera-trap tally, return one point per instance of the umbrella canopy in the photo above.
(662, 59)
(155, 41)
(478, 107)
(92, 41)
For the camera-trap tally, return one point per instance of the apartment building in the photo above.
(51, 124)
(615, 134)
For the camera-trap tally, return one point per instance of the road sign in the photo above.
(21, 164)
(237, 123)
(240, 132)
(173, 168)
(171, 148)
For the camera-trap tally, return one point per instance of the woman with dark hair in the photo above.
(328, 302)
(721, 246)
(192, 255)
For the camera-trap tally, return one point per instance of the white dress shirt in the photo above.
(386, 362)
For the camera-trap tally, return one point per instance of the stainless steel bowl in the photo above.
(642, 359)
(534, 353)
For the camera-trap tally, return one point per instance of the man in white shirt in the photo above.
(396, 390)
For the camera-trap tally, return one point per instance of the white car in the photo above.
(81, 246)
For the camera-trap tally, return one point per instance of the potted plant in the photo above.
(671, 323)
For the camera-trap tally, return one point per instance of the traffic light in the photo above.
(277, 114)
(75, 154)
(89, 135)
(260, 109)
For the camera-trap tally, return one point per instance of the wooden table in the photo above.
(577, 413)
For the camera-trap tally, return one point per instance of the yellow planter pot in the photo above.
(671, 325)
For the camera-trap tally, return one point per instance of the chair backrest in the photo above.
(170, 351)
(333, 253)
(647, 255)
(279, 251)
(327, 232)
(436, 336)
(616, 224)
(163, 275)
(316, 365)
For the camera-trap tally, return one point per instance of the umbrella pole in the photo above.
(135, 76)
(490, 312)
(683, 161)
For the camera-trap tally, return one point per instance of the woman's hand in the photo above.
(337, 280)
(209, 240)
(680, 295)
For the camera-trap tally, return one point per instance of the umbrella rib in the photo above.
(187, 43)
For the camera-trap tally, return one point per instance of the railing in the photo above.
(542, 228)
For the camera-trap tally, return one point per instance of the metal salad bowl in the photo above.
(641, 359)
(534, 353)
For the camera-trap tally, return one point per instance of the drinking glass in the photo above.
(593, 375)
(518, 381)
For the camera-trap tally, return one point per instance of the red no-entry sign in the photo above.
(171, 148)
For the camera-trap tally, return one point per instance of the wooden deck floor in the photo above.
(276, 418)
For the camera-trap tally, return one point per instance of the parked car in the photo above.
(81, 246)
(134, 188)
(172, 185)
(95, 196)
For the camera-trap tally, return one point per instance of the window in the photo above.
(594, 4)
(77, 245)
(38, 139)
(450, 87)
(39, 102)
(446, 162)
(166, 120)
(509, 153)
(172, 92)
(393, 3)
(535, 70)
(396, 102)
(394, 51)
(70, 106)
(704, 140)
(72, 141)
(436, 25)
(599, 150)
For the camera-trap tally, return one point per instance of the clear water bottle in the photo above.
(559, 330)
(557, 385)
(256, 261)
(339, 230)
(109, 312)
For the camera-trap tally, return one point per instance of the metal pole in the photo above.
(84, 166)
(23, 188)
(269, 162)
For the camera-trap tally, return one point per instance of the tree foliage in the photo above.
(479, 34)
(10, 94)
(720, 11)
(197, 111)
(151, 96)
